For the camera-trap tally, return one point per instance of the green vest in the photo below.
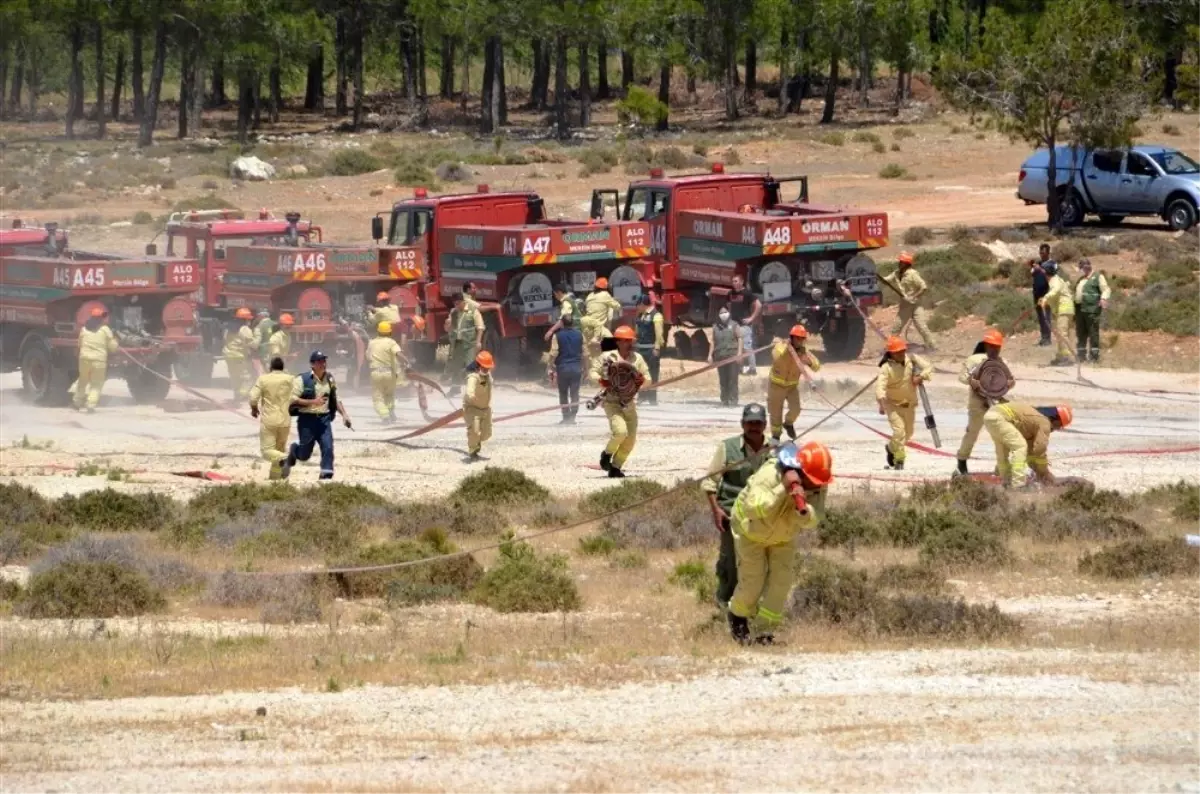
(735, 479)
(1091, 295)
(464, 328)
(725, 341)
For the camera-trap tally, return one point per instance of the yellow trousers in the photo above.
(976, 408)
(90, 382)
(915, 315)
(479, 427)
(383, 393)
(1011, 447)
(1062, 322)
(622, 428)
(273, 443)
(764, 577)
(777, 397)
(901, 420)
(239, 376)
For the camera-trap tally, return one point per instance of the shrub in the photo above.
(916, 578)
(964, 493)
(30, 521)
(413, 518)
(926, 616)
(90, 590)
(113, 511)
(961, 234)
(1085, 496)
(352, 162)
(142, 218)
(1071, 523)
(893, 171)
(960, 265)
(850, 522)
(629, 560)
(1170, 129)
(1145, 557)
(833, 139)
(900, 133)
(242, 499)
(1182, 497)
(599, 544)
(895, 147)
(942, 321)
(696, 575)
(339, 496)
(1164, 306)
(619, 497)
(701, 148)
(205, 202)
(680, 518)
(637, 159)
(496, 485)
(964, 545)
(10, 590)
(281, 599)
(672, 157)
(292, 529)
(413, 173)
(454, 172)
(912, 525)
(732, 157)
(438, 580)
(1172, 271)
(642, 106)
(917, 235)
(1006, 308)
(864, 137)
(828, 592)
(523, 581)
(165, 573)
(878, 147)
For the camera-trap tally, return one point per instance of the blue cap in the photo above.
(789, 456)
(316, 356)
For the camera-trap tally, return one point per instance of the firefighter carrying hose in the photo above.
(977, 403)
(783, 498)
(270, 398)
(618, 398)
(911, 286)
(96, 342)
(1021, 435)
(386, 361)
(239, 347)
(896, 393)
(1060, 301)
(784, 387)
(477, 403)
(600, 309)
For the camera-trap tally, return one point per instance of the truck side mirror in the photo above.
(151, 249)
(597, 210)
(377, 228)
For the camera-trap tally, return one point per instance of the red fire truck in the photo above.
(706, 228)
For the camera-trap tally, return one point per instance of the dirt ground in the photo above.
(1101, 694)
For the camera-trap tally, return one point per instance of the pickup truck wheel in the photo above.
(1181, 214)
(1071, 210)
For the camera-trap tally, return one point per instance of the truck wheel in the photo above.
(846, 341)
(1071, 210)
(43, 381)
(700, 345)
(194, 369)
(1181, 214)
(145, 386)
(683, 345)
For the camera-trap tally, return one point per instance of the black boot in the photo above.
(606, 461)
(613, 471)
(898, 466)
(891, 459)
(791, 430)
(962, 467)
(764, 639)
(739, 628)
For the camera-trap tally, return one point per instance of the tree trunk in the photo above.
(585, 87)
(664, 95)
(218, 99)
(1053, 205)
(245, 103)
(339, 52)
(540, 85)
(446, 77)
(18, 79)
(136, 89)
(75, 79)
(487, 119)
(187, 65)
(275, 87)
(257, 97)
(832, 84)
(784, 63)
(408, 62)
(35, 84)
(864, 66)
(357, 44)
(626, 70)
(729, 57)
(4, 59)
(199, 67)
(101, 94)
(314, 84)
(1170, 79)
(500, 95)
(422, 84)
(118, 84)
(602, 89)
(751, 71)
(150, 116)
(562, 130)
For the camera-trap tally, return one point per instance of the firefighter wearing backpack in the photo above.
(977, 404)
(385, 358)
(315, 401)
(477, 403)
(783, 498)
(784, 388)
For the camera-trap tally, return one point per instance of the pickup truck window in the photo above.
(1107, 161)
(1140, 166)
(1176, 163)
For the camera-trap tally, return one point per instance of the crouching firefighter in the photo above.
(1021, 435)
(784, 497)
(621, 373)
(314, 402)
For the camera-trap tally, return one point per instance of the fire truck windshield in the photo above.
(645, 204)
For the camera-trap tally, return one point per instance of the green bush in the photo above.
(951, 618)
(413, 173)
(915, 578)
(1164, 306)
(297, 528)
(1007, 307)
(865, 137)
(964, 545)
(641, 105)
(961, 234)
(833, 139)
(1175, 271)
(142, 218)
(113, 511)
(1147, 557)
(442, 579)
(850, 523)
(696, 575)
(732, 157)
(242, 499)
(597, 160)
(496, 485)
(90, 590)
(629, 560)
(942, 321)
(523, 581)
(672, 157)
(963, 493)
(1182, 498)
(457, 172)
(900, 133)
(1085, 496)
(1061, 524)
(352, 162)
(619, 497)
(168, 574)
(596, 545)
(912, 525)
(828, 592)
(893, 171)
(206, 202)
(917, 235)
(338, 496)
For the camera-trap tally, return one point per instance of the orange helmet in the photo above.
(98, 312)
(1064, 414)
(896, 345)
(624, 332)
(799, 331)
(244, 314)
(485, 360)
(287, 319)
(602, 283)
(382, 296)
(992, 336)
(816, 462)
(905, 258)
(418, 323)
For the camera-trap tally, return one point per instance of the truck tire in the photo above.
(700, 345)
(846, 341)
(145, 386)
(683, 345)
(194, 369)
(1181, 214)
(43, 381)
(1071, 210)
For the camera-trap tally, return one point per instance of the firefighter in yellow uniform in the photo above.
(784, 497)
(383, 311)
(977, 404)
(384, 357)
(621, 411)
(1060, 300)
(96, 342)
(600, 309)
(262, 334)
(477, 403)
(270, 398)
(239, 346)
(911, 286)
(1021, 435)
(896, 393)
(280, 343)
(784, 386)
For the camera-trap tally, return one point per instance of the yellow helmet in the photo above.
(385, 328)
